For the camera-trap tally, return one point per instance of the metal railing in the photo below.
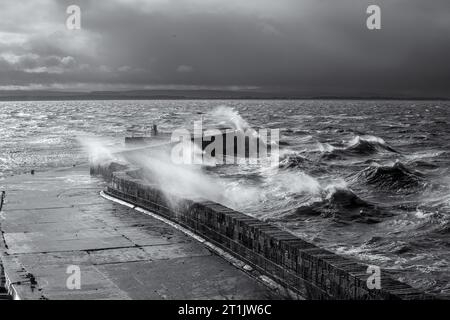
(2, 200)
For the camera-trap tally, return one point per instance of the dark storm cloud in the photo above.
(321, 47)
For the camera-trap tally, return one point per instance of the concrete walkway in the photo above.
(53, 220)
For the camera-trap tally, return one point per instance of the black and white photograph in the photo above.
(237, 152)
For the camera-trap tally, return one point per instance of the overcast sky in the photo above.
(313, 46)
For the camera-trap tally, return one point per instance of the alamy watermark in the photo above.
(214, 146)
(73, 281)
(73, 21)
(373, 22)
(374, 280)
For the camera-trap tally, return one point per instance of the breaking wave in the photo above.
(396, 178)
(359, 146)
(342, 205)
(293, 161)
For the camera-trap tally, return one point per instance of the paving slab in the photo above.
(57, 219)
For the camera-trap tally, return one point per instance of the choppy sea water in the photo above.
(366, 179)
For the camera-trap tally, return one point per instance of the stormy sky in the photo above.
(310, 46)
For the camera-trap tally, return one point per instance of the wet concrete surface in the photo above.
(57, 219)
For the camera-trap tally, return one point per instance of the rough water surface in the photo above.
(366, 179)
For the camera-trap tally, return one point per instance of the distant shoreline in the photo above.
(110, 98)
(49, 95)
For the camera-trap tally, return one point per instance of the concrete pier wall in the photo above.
(312, 272)
(3, 291)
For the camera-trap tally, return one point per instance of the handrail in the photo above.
(2, 200)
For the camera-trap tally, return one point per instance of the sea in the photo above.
(369, 180)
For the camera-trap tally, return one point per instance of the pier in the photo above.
(58, 219)
(131, 240)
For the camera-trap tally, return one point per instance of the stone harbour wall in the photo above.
(298, 265)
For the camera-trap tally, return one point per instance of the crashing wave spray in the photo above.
(99, 149)
(227, 115)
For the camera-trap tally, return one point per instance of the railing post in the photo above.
(2, 200)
